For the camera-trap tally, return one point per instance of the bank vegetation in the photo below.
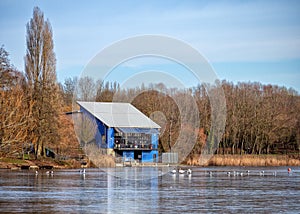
(260, 119)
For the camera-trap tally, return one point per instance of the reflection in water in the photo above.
(128, 196)
(99, 191)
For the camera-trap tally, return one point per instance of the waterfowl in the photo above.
(49, 172)
(181, 171)
(82, 171)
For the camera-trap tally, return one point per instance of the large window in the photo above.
(133, 140)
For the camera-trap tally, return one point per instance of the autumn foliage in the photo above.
(260, 119)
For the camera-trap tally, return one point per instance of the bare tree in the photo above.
(9, 75)
(15, 112)
(86, 89)
(40, 69)
(85, 128)
(69, 89)
(14, 120)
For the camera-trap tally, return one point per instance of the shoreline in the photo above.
(216, 160)
(16, 164)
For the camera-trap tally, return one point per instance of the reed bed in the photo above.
(246, 160)
(98, 158)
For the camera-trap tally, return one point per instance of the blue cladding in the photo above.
(149, 156)
(101, 127)
(128, 155)
(100, 134)
(154, 140)
(110, 138)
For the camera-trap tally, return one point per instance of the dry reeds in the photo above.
(247, 160)
(98, 158)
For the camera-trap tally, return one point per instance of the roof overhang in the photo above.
(137, 130)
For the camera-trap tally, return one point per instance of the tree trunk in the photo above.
(242, 147)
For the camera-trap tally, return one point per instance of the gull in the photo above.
(181, 171)
(82, 171)
(49, 172)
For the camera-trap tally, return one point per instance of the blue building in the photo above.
(123, 130)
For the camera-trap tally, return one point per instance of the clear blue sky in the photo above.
(243, 40)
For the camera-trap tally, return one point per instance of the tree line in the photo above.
(31, 104)
(261, 119)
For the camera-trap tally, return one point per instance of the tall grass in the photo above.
(247, 160)
(98, 158)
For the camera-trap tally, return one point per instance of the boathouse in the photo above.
(123, 130)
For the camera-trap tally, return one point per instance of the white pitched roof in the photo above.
(118, 115)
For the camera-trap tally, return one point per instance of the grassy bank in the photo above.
(216, 160)
(13, 163)
(248, 160)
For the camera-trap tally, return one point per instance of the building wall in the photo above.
(128, 155)
(150, 156)
(154, 140)
(105, 139)
(110, 139)
(101, 134)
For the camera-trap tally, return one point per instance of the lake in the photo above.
(152, 190)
